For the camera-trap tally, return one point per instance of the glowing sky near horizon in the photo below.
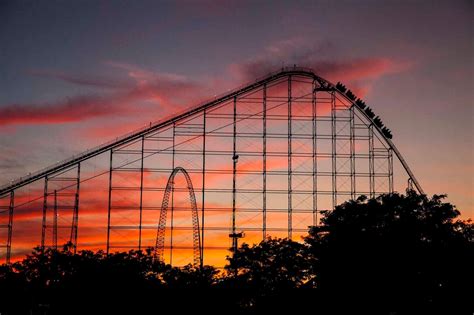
(76, 74)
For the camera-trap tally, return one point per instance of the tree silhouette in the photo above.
(263, 274)
(272, 265)
(189, 277)
(394, 254)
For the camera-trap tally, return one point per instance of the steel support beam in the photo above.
(45, 210)
(203, 195)
(11, 207)
(75, 215)
(264, 162)
(290, 186)
(141, 194)
(172, 195)
(55, 221)
(371, 162)
(110, 201)
(314, 151)
(390, 170)
(234, 175)
(352, 153)
(334, 149)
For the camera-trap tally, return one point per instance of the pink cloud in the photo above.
(358, 73)
(138, 87)
(355, 69)
(361, 68)
(70, 110)
(172, 92)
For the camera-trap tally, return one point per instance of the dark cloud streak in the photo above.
(87, 80)
(139, 86)
(324, 58)
(70, 110)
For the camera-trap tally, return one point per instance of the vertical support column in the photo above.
(352, 155)
(333, 150)
(172, 195)
(110, 201)
(45, 208)
(10, 226)
(390, 170)
(55, 221)
(75, 219)
(371, 162)
(203, 200)
(290, 207)
(264, 164)
(234, 173)
(315, 165)
(141, 194)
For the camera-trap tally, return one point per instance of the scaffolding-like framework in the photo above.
(160, 235)
(264, 159)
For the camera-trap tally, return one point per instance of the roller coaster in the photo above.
(160, 237)
(262, 160)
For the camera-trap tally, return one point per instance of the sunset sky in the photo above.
(76, 74)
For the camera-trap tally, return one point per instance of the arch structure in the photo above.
(266, 159)
(160, 234)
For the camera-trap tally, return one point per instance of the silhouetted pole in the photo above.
(55, 221)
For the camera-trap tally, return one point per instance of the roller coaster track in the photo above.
(160, 235)
(339, 100)
(169, 120)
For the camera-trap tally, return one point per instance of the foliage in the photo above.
(189, 277)
(396, 254)
(273, 265)
(399, 252)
